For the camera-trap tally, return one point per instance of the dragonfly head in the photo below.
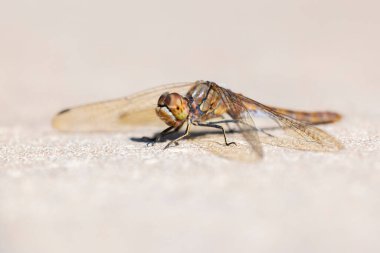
(173, 109)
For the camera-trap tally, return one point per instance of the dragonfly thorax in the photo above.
(173, 109)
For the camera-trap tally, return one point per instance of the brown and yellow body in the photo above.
(203, 102)
(206, 102)
(315, 118)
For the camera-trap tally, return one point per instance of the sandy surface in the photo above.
(108, 193)
(105, 192)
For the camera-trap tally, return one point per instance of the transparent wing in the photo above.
(119, 114)
(241, 152)
(246, 125)
(298, 135)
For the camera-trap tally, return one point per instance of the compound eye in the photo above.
(161, 100)
(173, 100)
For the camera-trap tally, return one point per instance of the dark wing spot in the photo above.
(64, 111)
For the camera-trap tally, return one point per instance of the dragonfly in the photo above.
(204, 104)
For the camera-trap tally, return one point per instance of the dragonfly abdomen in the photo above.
(319, 117)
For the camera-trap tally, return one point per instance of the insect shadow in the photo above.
(175, 135)
(196, 134)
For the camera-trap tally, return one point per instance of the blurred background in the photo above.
(59, 53)
(105, 193)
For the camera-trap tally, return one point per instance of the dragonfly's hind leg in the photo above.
(218, 127)
(187, 132)
(227, 122)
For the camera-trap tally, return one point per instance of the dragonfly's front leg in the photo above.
(213, 125)
(187, 132)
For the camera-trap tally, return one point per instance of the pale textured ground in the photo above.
(106, 193)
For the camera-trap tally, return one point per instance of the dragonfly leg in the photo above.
(187, 132)
(227, 122)
(218, 127)
(167, 131)
(223, 121)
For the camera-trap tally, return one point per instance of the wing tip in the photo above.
(63, 111)
(56, 121)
